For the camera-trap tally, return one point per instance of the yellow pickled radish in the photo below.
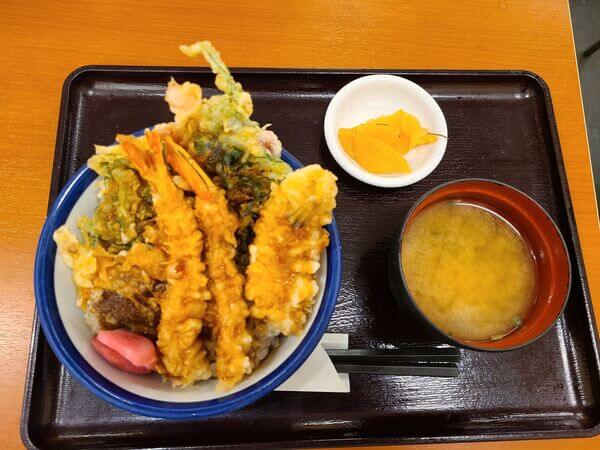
(427, 139)
(345, 137)
(393, 120)
(410, 126)
(378, 156)
(378, 145)
(386, 133)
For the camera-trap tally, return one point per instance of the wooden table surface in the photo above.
(41, 42)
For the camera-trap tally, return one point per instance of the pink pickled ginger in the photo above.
(126, 350)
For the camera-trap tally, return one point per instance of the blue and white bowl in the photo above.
(70, 338)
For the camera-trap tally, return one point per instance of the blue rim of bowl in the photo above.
(68, 355)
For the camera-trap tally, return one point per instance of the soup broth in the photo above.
(469, 270)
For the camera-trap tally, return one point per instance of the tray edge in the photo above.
(566, 199)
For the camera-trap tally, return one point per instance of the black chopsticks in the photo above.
(431, 361)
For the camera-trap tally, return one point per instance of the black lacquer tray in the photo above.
(501, 126)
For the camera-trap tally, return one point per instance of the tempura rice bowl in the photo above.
(70, 337)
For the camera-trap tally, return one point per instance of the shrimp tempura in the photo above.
(183, 304)
(225, 282)
(287, 248)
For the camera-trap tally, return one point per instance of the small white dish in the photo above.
(376, 95)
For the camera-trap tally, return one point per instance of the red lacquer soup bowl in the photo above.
(537, 228)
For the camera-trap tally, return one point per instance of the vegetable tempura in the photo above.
(205, 245)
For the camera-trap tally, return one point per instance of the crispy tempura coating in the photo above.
(286, 251)
(183, 304)
(225, 282)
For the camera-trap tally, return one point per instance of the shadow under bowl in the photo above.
(533, 223)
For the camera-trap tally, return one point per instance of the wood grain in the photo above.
(41, 42)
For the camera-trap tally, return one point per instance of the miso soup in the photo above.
(469, 270)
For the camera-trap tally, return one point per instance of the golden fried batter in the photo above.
(225, 282)
(183, 304)
(140, 265)
(286, 250)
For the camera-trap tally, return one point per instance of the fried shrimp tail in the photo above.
(286, 251)
(184, 165)
(225, 282)
(183, 304)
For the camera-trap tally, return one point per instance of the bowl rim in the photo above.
(82, 371)
(420, 311)
(350, 166)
